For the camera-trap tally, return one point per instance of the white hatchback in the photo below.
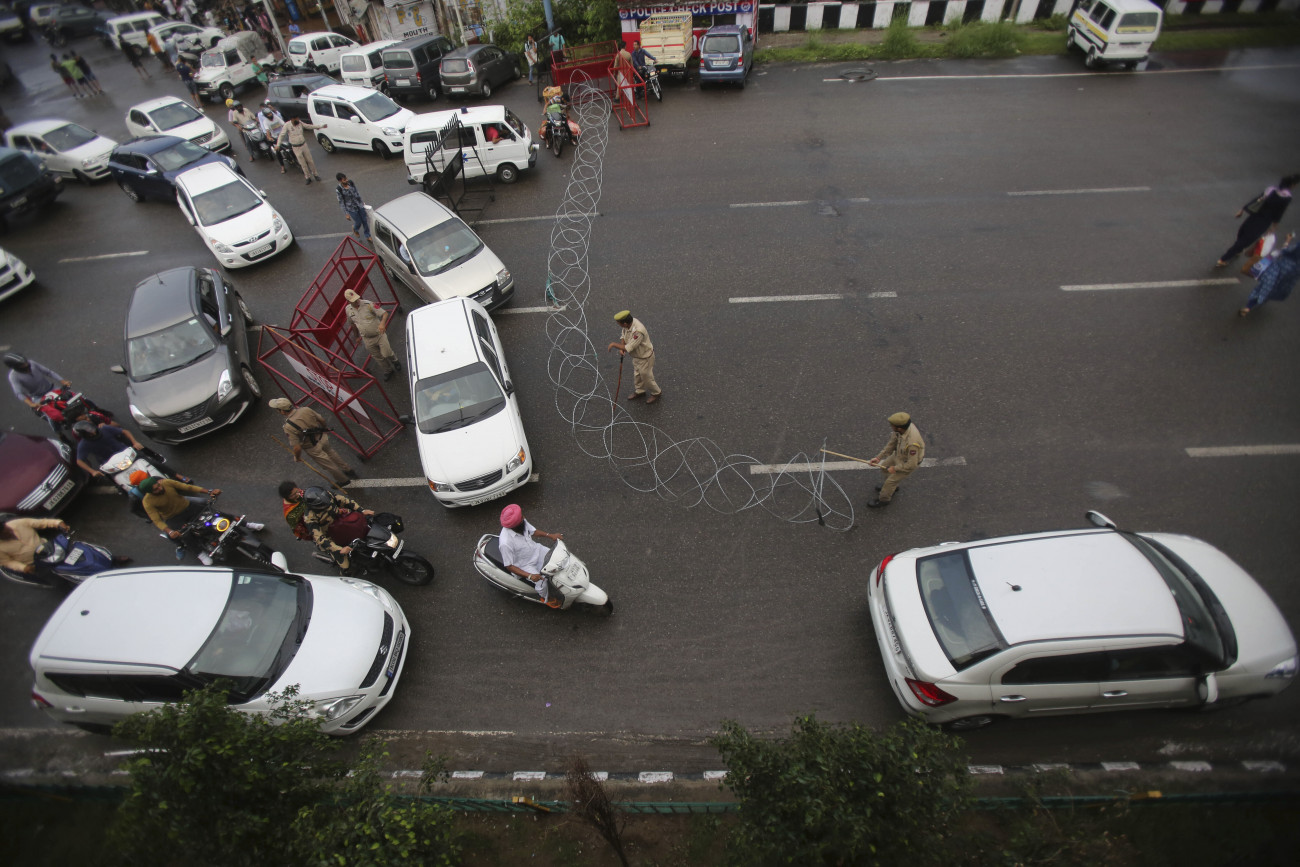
(231, 216)
(66, 148)
(468, 428)
(341, 641)
(358, 118)
(170, 115)
(1076, 621)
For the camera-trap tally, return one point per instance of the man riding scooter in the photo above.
(523, 555)
(98, 443)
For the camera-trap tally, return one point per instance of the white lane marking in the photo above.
(529, 776)
(1079, 192)
(858, 201)
(983, 769)
(1159, 284)
(1195, 766)
(513, 310)
(105, 256)
(655, 777)
(599, 776)
(1263, 766)
(321, 237)
(408, 775)
(769, 204)
(1242, 451)
(715, 775)
(1048, 767)
(755, 299)
(771, 469)
(882, 294)
(467, 775)
(1120, 766)
(536, 219)
(1145, 73)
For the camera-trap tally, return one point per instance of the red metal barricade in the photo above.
(629, 97)
(320, 309)
(589, 63)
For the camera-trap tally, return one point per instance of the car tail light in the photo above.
(469, 66)
(39, 702)
(418, 79)
(880, 570)
(929, 694)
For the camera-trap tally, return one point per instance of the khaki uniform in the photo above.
(316, 445)
(298, 141)
(318, 524)
(19, 552)
(637, 342)
(366, 317)
(904, 452)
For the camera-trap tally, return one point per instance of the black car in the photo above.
(146, 167)
(411, 66)
(288, 93)
(477, 69)
(73, 21)
(189, 367)
(24, 185)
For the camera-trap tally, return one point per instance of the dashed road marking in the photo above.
(529, 776)
(713, 776)
(770, 204)
(1048, 767)
(512, 310)
(831, 466)
(1158, 284)
(1120, 766)
(1243, 451)
(984, 769)
(655, 777)
(323, 237)
(758, 299)
(1193, 766)
(1266, 767)
(467, 775)
(535, 219)
(104, 256)
(1079, 192)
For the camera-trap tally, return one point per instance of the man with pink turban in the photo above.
(522, 554)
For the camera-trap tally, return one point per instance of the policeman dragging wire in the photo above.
(899, 458)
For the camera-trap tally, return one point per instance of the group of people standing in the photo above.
(76, 74)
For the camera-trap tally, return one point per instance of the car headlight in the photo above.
(64, 449)
(516, 462)
(225, 386)
(363, 586)
(223, 249)
(90, 163)
(140, 418)
(503, 276)
(333, 708)
(277, 224)
(392, 131)
(440, 487)
(1285, 669)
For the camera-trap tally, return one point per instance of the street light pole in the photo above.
(275, 28)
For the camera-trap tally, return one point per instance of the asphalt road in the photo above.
(901, 196)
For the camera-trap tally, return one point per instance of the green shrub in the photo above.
(1056, 22)
(899, 41)
(984, 39)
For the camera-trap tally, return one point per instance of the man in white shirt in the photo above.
(523, 555)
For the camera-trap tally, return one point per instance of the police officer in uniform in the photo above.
(900, 457)
(636, 343)
(306, 431)
(372, 324)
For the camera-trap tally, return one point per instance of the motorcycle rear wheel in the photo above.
(411, 569)
(557, 143)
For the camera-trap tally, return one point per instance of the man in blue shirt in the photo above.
(31, 380)
(98, 443)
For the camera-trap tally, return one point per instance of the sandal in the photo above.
(1245, 311)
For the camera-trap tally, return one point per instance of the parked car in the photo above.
(436, 255)
(477, 69)
(411, 66)
(12, 28)
(66, 148)
(74, 21)
(146, 168)
(364, 66)
(186, 36)
(232, 217)
(131, 29)
(174, 116)
(726, 55)
(341, 641)
(288, 93)
(468, 429)
(15, 276)
(319, 49)
(41, 13)
(358, 118)
(189, 368)
(233, 63)
(1076, 621)
(38, 475)
(492, 140)
(25, 184)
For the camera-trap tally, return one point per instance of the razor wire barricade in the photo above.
(695, 470)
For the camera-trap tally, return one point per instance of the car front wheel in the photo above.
(325, 144)
(432, 92)
(507, 173)
(487, 90)
(250, 382)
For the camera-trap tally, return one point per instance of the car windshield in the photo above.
(168, 349)
(515, 123)
(68, 136)
(297, 48)
(956, 608)
(442, 247)
(214, 59)
(225, 203)
(173, 115)
(1138, 22)
(258, 634)
(353, 63)
(17, 173)
(376, 107)
(179, 155)
(728, 44)
(457, 398)
(1198, 620)
(398, 60)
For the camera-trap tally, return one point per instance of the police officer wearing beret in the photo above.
(900, 457)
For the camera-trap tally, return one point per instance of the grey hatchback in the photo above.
(477, 69)
(188, 364)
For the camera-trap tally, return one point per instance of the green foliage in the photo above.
(219, 786)
(844, 794)
(900, 41)
(1057, 22)
(522, 17)
(984, 39)
(581, 21)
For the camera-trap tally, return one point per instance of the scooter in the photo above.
(380, 550)
(60, 555)
(121, 465)
(63, 407)
(258, 145)
(215, 535)
(568, 575)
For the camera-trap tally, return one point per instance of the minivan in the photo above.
(358, 118)
(726, 55)
(411, 67)
(1114, 31)
(319, 49)
(131, 28)
(492, 139)
(364, 66)
(477, 69)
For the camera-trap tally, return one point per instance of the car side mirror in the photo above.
(406, 419)
(1097, 519)
(356, 119)
(117, 368)
(262, 193)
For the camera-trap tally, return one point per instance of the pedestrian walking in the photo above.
(899, 458)
(132, 55)
(1277, 279)
(353, 208)
(89, 73)
(530, 56)
(636, 343)
(297, 138)
(1265, 212)
(78, 77)
(371, 323)
(63, 73)
(186, 73)
(307, 432)
(557, 47)
(157, 48)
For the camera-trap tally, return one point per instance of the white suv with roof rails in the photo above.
(357, 118)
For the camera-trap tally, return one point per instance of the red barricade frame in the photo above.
(629, 97)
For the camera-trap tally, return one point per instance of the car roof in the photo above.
(414, 212)
(148, 144)
(151, 104)
(40, 127)
(418, 40)
(723, 28)
(303, 37)
(206, 177)
(161, 300)
(468, 113)
(344, 91)
(1132, 6)
(1082, 583)
(101, 620)
(377, 45)
(442, 337)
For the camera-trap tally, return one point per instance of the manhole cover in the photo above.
(858, 73)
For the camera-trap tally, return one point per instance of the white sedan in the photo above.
(231, 216)
(1076, 621)
(66, 148)
(170, 115)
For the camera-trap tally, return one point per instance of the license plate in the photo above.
(403, 82)
(74, 557)
(196, 425)
(456, 89)
(260, 250)
(62, 492)
(395, 658)
(480, 502)
(19, 202)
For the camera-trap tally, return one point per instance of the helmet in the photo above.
(86, 428)
(234, 103)
(230, 103)
(15, 361)
(317, 498)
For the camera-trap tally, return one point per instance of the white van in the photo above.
(1114, 31)
(493, 140)
(132, 28)
(230, 64)
(358, 118)
(321, 49)
(364, 67)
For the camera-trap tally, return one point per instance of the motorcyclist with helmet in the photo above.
(240, 117)
(97, 443)
(272, 123)
(31, 380)
(334, 521)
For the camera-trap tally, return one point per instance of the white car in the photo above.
(187, 36)
(231, 216)
(1076, 621)
(364, 66)
(66, 148)
(341, 641)
(170, 115)
(468, 429)
(358, 118)
(319, 48)
(14, 274)
(436, 255)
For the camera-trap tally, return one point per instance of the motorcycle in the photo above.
(62, 407)
(287, 157)
(60, 555)
(380, 550)
(215, 535)
(258, 146)
(556, 132)
(121, 465)
(650, 75)
(568, 574)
